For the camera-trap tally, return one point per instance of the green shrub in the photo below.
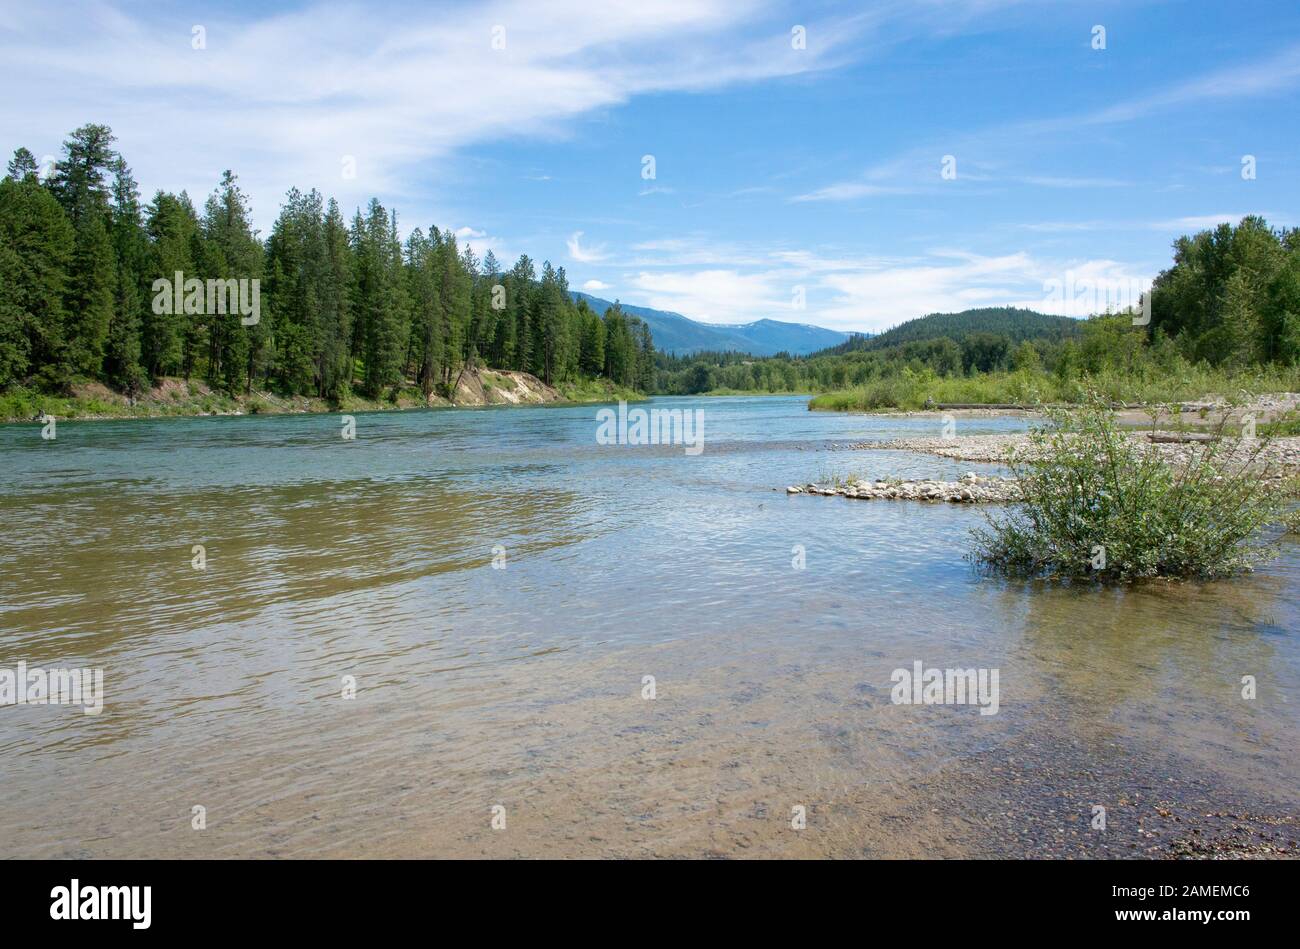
(1094, 503)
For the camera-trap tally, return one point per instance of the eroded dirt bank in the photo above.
(193, 397)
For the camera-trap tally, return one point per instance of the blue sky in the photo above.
(781, 174)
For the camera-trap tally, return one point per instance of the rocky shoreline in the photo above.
(970, 489)
(1277, 464)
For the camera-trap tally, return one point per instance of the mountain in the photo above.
(674, 333)
(1009, 321)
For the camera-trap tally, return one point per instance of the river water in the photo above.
(518, 693)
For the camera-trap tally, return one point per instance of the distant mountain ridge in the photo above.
(674, 333)
(1016, 324)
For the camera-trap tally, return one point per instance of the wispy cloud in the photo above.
(1275, 73)
(850, 190)
(916, 169)
(1179, 225)
(1063, 181)
(868, 293)
(295, 98)
(584, 255)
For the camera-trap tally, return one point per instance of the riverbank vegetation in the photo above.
(345, 309)
(1147, 384)
(1093, 503)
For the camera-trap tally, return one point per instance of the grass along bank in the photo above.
(911, 389)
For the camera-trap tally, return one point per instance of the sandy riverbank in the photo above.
(174, 397)
(1208, 411)
(1278, 461)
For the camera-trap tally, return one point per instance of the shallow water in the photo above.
(523, 686)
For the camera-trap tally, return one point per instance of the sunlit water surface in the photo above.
(524, 686)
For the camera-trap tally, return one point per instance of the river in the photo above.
(498, 587)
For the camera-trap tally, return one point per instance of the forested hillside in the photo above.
(1224, 316)
(345, 305)
(1015, 324)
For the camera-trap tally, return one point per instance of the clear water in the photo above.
(523, 686)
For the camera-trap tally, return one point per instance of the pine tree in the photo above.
(519, 307)
(23, 165)
(592, 354)
(294, 274)
(130, 252)
(335, 359)
(423, 290)
(39, 241)
(172, 228)
(454, 288)
(378, 301)
(233, 256)
(80, 184)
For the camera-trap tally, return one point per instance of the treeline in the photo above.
(1230, 301)
(1013, 323)
(344, 306)
(844, 366)
(978, 352)
(1232, 297)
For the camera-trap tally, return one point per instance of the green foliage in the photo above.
(597, 390)
(1011, 323)
(38, 240)
(1095, 504)
(1232, 295)
(1291, 522)
(82, 266)
(861, 362)
(80, 183)
(1147, 384)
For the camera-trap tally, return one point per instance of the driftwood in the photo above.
(1012, 405)
(977, 405)
(1178, 438)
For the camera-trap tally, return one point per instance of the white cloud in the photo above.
(915, 169)
(1200, 222)
(284, 98)
(584, 255)
(593, 286)
(849, 191)
(874, 293)
(717, 296)
(480, 242)
(1258, 77)
(1181, 225)
(1062, 181)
